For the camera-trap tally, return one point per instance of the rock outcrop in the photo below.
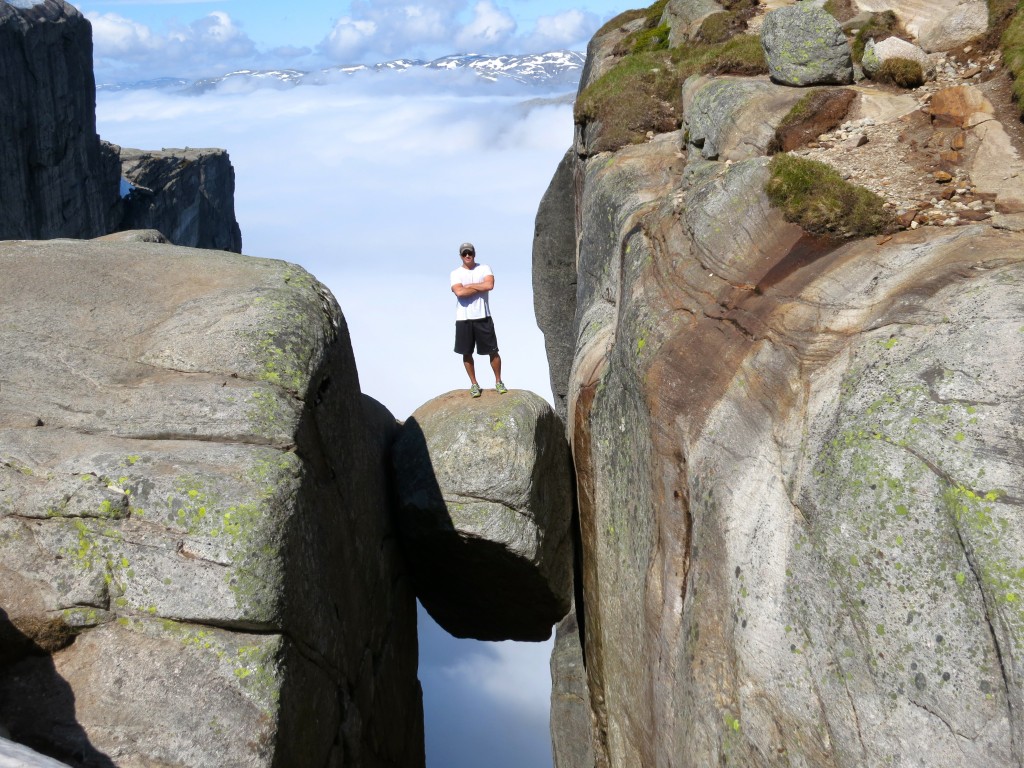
(939, 25)
(484, 504)
(186, 194)
(56, 180)
(197, 565)
(798, 458)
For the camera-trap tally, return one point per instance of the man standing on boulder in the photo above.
(471, 283)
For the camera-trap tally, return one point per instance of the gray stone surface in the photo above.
(55, 178)
(571, 721)
(186, 194)
(198, 566)
(733, 118)
(485, 501)
(805, 45)
(554, 273)
(798, 474)
(875, 54)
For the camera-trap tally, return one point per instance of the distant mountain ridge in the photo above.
(554, 68)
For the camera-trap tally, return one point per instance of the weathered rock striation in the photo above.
(187, 194)
(484, 505)
(56, 180)
(798, 459)
(197, 565)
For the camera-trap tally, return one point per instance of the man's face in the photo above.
(468, 258)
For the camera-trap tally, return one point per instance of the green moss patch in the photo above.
(1012, 46)
(881, 26)
(904, 73)
(643, 91)
(817, 198)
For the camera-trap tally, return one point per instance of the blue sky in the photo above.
(193, 38)
(371, 183)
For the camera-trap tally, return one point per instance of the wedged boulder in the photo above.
(197, 565)
(485, 499)
(187, 194)
(805, 45)
(56, 180)
(876, 54)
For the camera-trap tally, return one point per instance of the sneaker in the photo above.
(475, 391)
(500, 388)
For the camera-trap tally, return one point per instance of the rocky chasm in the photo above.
(777, 501)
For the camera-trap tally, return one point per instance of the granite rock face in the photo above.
(484, 506)
(198, 566)
(798, 463)
(938, 25)
(56, 180)
(186, 194)
(805, 45)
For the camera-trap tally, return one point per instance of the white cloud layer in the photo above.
(392, 29)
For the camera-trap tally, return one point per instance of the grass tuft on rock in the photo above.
(904, 73)
(841, 10)
(816, 197)
(643, 91)
(1012, 46)
(881, 26)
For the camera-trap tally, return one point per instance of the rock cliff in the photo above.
(198, 562)
(186, 194)
(57, 179)
(797, 444)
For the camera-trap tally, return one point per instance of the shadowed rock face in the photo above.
(55, 178)
(798, 471)
(186, 194)
(485, 502)
(196, 560)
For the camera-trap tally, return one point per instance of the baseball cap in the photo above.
(466, 247)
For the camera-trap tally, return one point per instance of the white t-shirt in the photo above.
(473, 307)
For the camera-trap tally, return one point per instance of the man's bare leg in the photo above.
(467, 360)
(496, 366)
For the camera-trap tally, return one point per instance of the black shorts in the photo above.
(480, 331)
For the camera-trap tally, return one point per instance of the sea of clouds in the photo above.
(371, 183)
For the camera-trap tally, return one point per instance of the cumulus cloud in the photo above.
(213, 41)
(489, 28)
(397, 28)
(564, 30)
(114, 35)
